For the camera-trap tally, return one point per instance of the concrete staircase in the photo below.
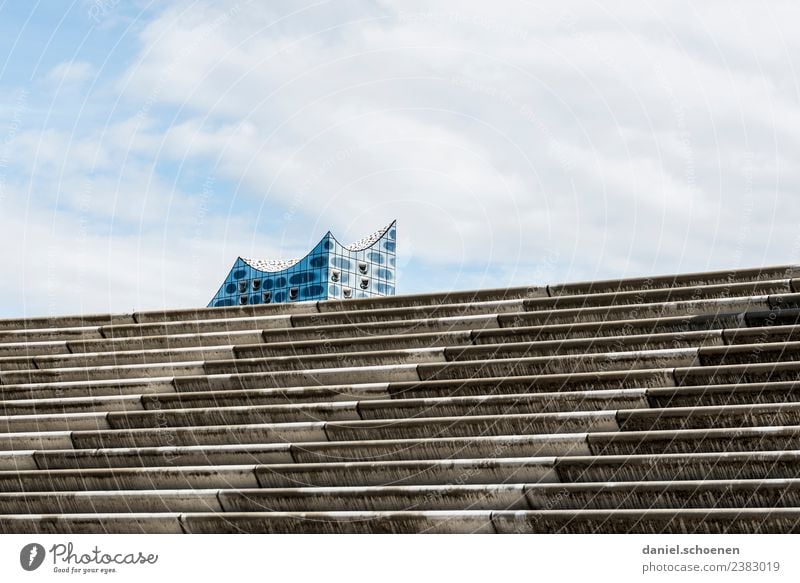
(664, 404)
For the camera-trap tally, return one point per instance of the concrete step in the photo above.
(674, 467)
(129, 523)
(661, 295)
(68, 406)
(342, 422)
(441, 522)
(377, 315)
(128, 357)
(215, 325)
(354, 344)
(687, 521)
(23, 350)
(313, 452)
(100, 373)
(749, 353)
(166, 343)
(695, 441)
(554, 383)
(641, 495)
(734, 394)
(597, 496)
(727, 277)
(433, 299)
(110, 502)
(72, 389)
(703, 494)
(655, 521)
(373, 402)
(50, 335)
(708, 307)
(282, 475)
(169, 433)
(499, 367)
(69, 321)
(262, 357)
(369, 329)
(727, 416)
(737, 374)
(761, 335)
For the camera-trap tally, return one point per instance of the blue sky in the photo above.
(145, 145)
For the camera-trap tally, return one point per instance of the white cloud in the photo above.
(621, 139)
(70, 72)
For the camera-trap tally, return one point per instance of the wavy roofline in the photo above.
(359, 245)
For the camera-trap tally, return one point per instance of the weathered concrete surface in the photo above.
(661, 295)
(657, 521)
(377, 498)
(518, 424)
(129, 479)
(695, 441)
(441, 522)
(91, 524)
(452, 297)
(71, 405)
(205, 455)
(511, 446)
(738, 373)
(606, 380)
(280, 396)
(499, 367)
(354, 344)
(466, 471)
(122, 502)
(212, 435)
(730, 416)
(727, 277)
(667, 404)
(503, 404)
(733, 394)
(701, 466)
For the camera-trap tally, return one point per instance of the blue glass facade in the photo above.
(364, 269)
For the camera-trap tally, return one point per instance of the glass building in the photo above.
(331, 270)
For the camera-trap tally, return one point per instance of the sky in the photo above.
(145, 145)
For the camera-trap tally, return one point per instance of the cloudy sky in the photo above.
(145, 145)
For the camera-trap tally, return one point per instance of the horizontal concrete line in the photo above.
(290, 431)
(679, 466)
(749, 353)
(726, 277)
(478, 446)
(649, 521)
(706, 307)
(481, 328)
(198, 326)
(586, 496)
(469, 471)
(438, 311)
(294, 355)
(373, 399)
(566, 469)
(730, 394)
(683, 521)
(437, 449)
(668, 294)
(737, 373)
(112, 523)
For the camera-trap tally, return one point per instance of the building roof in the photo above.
(661, 404)
(273, 265)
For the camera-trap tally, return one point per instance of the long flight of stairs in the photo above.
(663, 404)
